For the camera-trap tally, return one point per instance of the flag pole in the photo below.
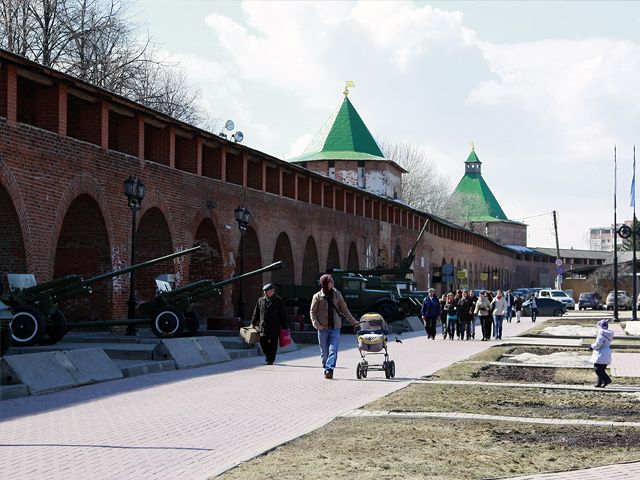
(615, 238)
(635, 236)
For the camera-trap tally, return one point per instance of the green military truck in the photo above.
(361, 298)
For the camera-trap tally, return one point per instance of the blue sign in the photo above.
(447, 269)
(559, 270)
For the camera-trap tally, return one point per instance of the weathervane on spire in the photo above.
(347, 86)
(473, 147)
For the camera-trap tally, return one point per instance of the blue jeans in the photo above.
(329, 340)
(497, 326)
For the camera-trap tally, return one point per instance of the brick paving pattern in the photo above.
(193, 424)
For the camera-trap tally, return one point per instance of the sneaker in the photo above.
(598, 385)
(328, 374)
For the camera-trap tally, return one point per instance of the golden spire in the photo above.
(349, 84)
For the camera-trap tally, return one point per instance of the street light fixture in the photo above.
(242, 217)
(134, 190)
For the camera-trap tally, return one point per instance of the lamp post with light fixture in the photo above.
(134, 190)
(242, 217)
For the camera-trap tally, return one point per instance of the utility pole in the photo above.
(615, 238)
(558, 275)
(635, 236)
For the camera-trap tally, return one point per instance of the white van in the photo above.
(559, 295)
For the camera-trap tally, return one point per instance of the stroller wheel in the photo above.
(387, 369)
(365, 371)
(358, 372)
(392, 368)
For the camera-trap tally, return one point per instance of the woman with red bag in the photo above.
(269, 318)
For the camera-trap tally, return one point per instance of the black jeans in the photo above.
(603, 378)
(430, 326)
(485, 323)
(269, 347)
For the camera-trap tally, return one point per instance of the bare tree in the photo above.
(16, 26)
(95, 41)
(423, 188)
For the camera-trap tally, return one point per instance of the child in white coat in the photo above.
(601, 356)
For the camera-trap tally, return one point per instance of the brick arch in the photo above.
(153, 239)
(83, 248)
(82, 185)
(153, 199)
(207, 264)
(310, 263)
(13, 249)
(333, 255)
(252, 260)
(283, 252)
(353, 262)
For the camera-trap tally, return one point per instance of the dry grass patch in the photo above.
(385, 449)
(512, 401)
(471, 369)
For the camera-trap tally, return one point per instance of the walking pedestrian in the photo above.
(472, 323)
(458, 298)
(499, 310)
(328, 308)
(443, 316)
(510, 304)
(601, 356)
(483, 310)
(269, 317)
(517, 304)
(465, 314)
(430, 313)
(534, 309)
(451, 308)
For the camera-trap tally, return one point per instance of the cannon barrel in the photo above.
(206, 286)
(108, 275)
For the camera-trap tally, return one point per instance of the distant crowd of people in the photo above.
(458, 311)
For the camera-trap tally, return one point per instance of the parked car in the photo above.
(547, 307)
(624, 300)
(559, 295)
(591, 300)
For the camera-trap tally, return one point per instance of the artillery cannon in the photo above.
(171, 313)
(36, 317)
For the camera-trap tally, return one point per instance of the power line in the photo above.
(533, 216)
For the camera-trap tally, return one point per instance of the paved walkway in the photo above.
(192, 424)
(621, 471)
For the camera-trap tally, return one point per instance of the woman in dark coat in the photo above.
(269, 317)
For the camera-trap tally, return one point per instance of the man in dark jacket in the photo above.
(430, 313)
(269, 317)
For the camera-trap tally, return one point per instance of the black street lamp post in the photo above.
(134, 190)
(242, 217)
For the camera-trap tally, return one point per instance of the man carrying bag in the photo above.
(269, 317)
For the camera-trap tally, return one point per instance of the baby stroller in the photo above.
(372, 340)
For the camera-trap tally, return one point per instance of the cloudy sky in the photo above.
(543, 89)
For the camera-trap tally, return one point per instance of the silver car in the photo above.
(624, 300)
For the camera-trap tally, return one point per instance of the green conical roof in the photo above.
(476, 198)
(344, 136)
(472, 158)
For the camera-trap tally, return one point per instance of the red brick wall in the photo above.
(12, 252)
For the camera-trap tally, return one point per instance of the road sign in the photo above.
(559, 270)
(447, 269)
(559, 262)
(461, 274)
(484, 276)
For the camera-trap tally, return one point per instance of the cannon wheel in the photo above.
(27, 327)
(192, 323)
(168, 322)
(55, 329)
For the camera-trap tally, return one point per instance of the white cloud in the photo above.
(544, 115)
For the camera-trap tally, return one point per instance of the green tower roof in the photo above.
(474, 195)
(344, 136)
(472, 158)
